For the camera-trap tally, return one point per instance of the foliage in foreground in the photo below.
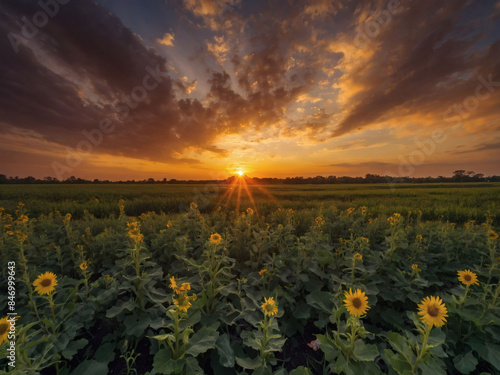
(235, 293)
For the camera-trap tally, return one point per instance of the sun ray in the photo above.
(249, 194)
(229, 191)
(262, 189)
(245, 185)
(239, 197)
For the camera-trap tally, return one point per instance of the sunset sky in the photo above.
(196, 89)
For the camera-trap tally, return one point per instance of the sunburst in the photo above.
(242, 185)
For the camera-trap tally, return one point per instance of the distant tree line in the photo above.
(460, 175)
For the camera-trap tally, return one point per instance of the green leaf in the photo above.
(202, 341)
(397, 361)
(91, 367)
(275, 345)
(252, 339)
(320, 300)
(465, 363)
(331, 353)
(364, 352)
(117, 309)
(248, 363)
(73, 347)
(438, 351)
(302, 311)
(262, 371)
(436, 338)
(167, 336)
(301, 371)
(185, 335)
(490, 353)
(494, 331)
(192, 366)
(105, 353)
(433, 366)
(163, 364)
(370, 368)
(136, 326)
(400, 344)
(225, 350)
(190, 321)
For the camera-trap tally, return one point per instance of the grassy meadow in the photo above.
(296, 279)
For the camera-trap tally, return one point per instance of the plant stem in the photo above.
(462, 301)
(24, 265)
(265, 326)
(352, 339)
(423, 350)
(176, 334)
(352, 270)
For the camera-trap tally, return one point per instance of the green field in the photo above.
(453, 202)
(172, 279)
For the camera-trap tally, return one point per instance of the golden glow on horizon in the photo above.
(243, 186)
(239, 172)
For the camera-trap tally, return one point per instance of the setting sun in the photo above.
(239, 172)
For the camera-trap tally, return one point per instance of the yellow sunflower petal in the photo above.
(269, 306)
(433, 311)
(45, 283)
(4, 329)
(467, 277)
(356, 303)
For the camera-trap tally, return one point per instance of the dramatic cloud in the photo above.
(167, 40)
(188, 83)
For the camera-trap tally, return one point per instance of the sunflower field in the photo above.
(322, 288)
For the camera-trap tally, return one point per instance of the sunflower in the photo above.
(182, 302)
(22, 219)
(134, 232)
(184, 288)
(4, 329)
(492, 235)
(215, 238)
(356, 303)
(467, 277)
(320, 221)
(45, 283)
(358, 256)
(84, 265)
(414, 266)
(173, 283)
(433, 311)
(269, 306)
